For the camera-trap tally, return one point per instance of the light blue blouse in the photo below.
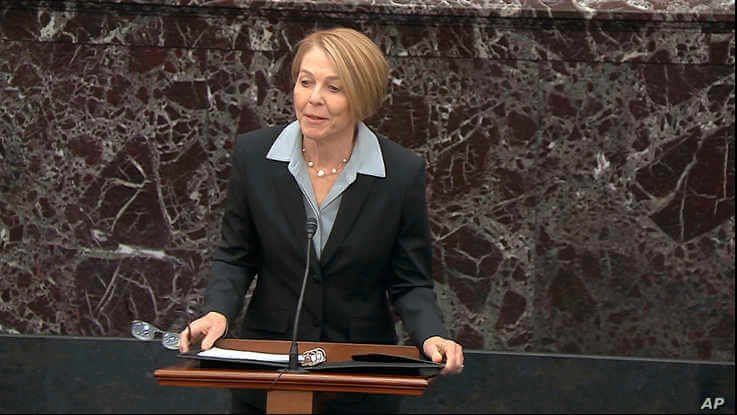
(366, 158)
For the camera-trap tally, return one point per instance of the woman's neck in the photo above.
(329, 152)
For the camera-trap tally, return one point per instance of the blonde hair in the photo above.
(360, 64)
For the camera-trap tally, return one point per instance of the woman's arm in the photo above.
(236, 257)
(411, 289)
(234, 263)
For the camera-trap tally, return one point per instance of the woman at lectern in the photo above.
(366, 194)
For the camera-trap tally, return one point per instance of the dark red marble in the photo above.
(580, 160)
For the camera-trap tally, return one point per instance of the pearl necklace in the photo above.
(323, 172)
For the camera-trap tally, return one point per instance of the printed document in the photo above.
(245, 355)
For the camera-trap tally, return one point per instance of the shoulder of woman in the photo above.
(256, 141)
(400, 157)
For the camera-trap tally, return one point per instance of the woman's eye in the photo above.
(305, 82)
(333, 88)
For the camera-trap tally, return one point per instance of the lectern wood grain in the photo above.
(289, 402)
(190, 375)
(294, 392)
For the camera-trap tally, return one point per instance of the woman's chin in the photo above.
(312, 132)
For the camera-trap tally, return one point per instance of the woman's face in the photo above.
(320, 102)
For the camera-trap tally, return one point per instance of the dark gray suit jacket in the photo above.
(378, 252)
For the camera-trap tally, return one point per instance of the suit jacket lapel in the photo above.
(350, 206)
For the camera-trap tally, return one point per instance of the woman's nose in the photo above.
(315, 95)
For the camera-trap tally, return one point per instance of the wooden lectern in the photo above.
(294, 392)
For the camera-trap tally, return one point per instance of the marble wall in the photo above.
(580, 160)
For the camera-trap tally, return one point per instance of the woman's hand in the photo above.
(439, 349)
(207, 328)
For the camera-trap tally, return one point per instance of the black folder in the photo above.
(375, 363)
(382, 364)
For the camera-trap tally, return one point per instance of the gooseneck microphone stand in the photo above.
(311, 226)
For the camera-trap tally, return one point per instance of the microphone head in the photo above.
(311, 226)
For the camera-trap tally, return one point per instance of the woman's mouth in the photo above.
(314, 118)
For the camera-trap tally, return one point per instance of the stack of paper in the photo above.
(219, 353)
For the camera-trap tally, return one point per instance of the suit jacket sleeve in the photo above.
(411, 288)
(237, 257)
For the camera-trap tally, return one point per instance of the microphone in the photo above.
(311, 227)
